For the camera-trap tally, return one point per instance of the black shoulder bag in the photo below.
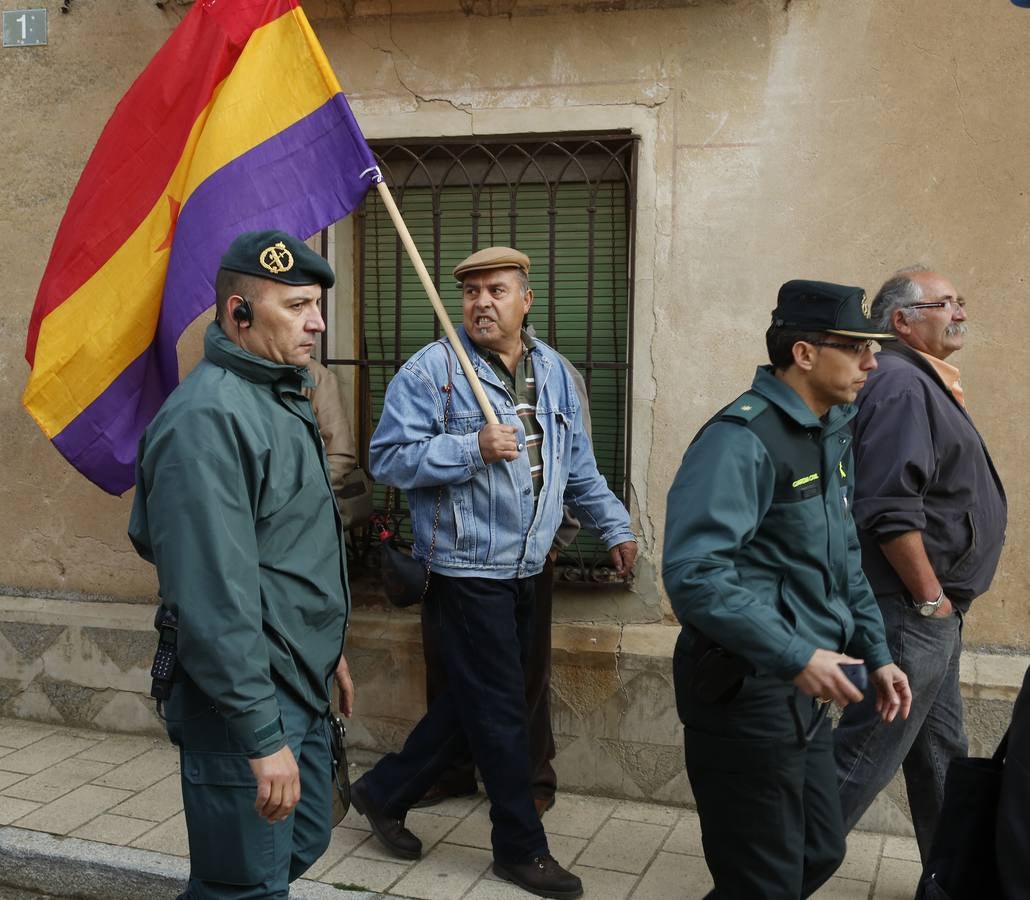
(405, 579)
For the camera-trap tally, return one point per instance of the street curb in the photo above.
(72, 867)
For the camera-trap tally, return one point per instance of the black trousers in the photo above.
(771, 823)
(483, 630)
(460, 777)
(1013, 836)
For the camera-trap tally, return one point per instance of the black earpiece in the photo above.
(244, 312)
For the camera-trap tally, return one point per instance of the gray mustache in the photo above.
(956, 328)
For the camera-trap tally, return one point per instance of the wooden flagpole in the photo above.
(434, 298)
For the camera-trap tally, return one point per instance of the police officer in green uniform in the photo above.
(761, 563)
(234, 507)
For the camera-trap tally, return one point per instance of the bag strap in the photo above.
(448, 390)
(1003, 746)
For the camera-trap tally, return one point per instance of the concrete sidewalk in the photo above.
(115, 800)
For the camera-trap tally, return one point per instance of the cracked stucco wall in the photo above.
(818, 138)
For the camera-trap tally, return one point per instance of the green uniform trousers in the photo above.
(766, 791)
(234, 853)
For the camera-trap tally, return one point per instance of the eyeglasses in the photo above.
(855, 349)
(950, 303)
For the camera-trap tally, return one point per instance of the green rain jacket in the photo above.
(234, 506)
(761, 554)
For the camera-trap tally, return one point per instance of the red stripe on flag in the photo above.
(142, 143)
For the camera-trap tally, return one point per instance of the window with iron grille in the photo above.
(567, 201)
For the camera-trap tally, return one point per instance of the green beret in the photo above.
(822, 306)
(277, 256)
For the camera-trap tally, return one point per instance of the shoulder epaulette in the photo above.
(745, 409)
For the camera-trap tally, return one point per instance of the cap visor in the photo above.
(868, 335)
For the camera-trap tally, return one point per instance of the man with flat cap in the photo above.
(761, 563)
(486, 501)
(234, 507)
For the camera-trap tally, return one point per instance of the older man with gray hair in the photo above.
(931, 513)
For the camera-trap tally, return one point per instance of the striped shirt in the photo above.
(521, 387)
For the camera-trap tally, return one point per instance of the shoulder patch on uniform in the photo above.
(745, 408)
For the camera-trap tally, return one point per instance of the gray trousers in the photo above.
(869, 751)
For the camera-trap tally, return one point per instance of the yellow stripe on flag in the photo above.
(97, 332)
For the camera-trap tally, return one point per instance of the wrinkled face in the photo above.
(286, 322)
(937, 323)
(493, 307)
(839, 368)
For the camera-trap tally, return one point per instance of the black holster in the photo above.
(706, 671)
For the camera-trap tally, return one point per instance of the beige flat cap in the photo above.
(492, 258)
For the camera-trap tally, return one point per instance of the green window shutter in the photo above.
(581, 301)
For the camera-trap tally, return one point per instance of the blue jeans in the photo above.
(868, 751)
(483, 628)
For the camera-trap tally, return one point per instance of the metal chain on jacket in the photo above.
(448, 389)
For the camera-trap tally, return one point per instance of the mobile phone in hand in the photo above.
(856, 673)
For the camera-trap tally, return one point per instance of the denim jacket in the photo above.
(489, 526)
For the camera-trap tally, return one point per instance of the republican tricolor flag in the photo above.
(237, 124)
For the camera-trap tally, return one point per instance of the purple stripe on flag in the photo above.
(300, 180)
(101, 441)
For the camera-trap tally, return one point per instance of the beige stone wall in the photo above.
(824, 138)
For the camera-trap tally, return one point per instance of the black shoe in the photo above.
(391, 832)
(541, 876)
(440, 792)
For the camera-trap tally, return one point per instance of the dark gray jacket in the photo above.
(920, 464)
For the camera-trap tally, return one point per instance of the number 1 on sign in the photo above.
(22, 20)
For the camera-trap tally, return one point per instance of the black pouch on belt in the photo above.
(706, 671)
(341, 777)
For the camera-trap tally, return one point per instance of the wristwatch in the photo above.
(930, 606)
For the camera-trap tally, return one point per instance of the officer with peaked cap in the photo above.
(233, 506)
(761, 563)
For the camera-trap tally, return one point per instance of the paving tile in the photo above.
(17, 734)
(44, 753)
(901, 848)
(431, 829)
(843, 889)
(168, 837)
(863, 856)
(897, 879)
(11, 809)
(446, 873)
(647, 812)
(110, 829)
(624, 846)
(474, 829)
(57, 780)
(455, 807)
(9, 778)
(369, 874)
(119, 748)
(675, 875)
(572, 815)
(495, 889)
(565, 849)
(341, 842)
(686, 836)
(72, 810)
(142, 771)
(158, 802)
(604, 884)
